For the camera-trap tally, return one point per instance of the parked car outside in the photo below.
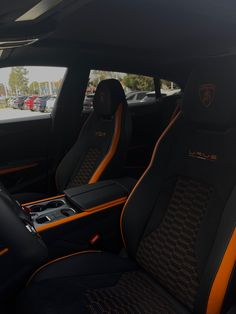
(134, 97)
(39, 103)
(149, 98)
(50, 104)
(10, 101)
(18, 102)
(88, 102)
(29, 102)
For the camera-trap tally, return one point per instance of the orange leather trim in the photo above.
(111, 152)
(4, 251)
(43, 200)
(86, 213)
(16, 169)
(221, 281)
(177, 110)
(57, 260)
(172, 122)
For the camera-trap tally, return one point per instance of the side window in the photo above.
(29, 91)
(169, 88)
(140, 96)
(138, 88)
(130, 97)
(135, 86)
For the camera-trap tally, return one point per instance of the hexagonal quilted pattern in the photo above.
(87, 168)
(135, 293)
(168, 253)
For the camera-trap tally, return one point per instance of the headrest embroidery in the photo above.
(100, 134)
(202, 155)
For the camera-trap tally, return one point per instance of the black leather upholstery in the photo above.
(209, 94)
(95, 141)
(176, 224)
(96, 137)
(90, 195)
(109, 95)
(24, 198)
(85, 274)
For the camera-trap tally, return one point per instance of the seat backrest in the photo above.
(179, 221)
(101, 147)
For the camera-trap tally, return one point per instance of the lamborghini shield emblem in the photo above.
(207, 94)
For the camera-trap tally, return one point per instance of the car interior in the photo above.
(119, 208)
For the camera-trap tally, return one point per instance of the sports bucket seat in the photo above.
(102, 144)
(178, 224)
(100, 150)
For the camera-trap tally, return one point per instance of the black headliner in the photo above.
(163, 37)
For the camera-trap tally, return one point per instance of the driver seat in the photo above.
(178, 224)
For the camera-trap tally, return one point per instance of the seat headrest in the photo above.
(108, 96)
(210, 94)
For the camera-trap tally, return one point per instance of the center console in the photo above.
(50, 210)
(78, 202)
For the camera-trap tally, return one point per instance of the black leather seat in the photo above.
(100, 150)
(178, 225)
(102, 145)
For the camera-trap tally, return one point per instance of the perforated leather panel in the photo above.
(135, 293)
(168, 253)
(87, 168)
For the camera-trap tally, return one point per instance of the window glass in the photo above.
(140, 96)
(29, 91)
(169, 88)
(130, 97)
(138, 88)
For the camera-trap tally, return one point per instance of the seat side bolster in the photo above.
(221, 281)
(165, 132)
(113, 147)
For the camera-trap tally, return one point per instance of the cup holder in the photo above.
(37, 208)
(67, 212)
(50, 205)
(55, 204)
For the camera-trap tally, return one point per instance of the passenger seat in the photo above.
(102, 144)
(100, 150)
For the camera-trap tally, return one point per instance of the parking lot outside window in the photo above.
(29, 91)
(139, 89)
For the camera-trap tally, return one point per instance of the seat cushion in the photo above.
(95, 282)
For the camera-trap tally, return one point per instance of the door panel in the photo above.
(24, 153)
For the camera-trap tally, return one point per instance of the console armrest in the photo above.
(91, 195)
